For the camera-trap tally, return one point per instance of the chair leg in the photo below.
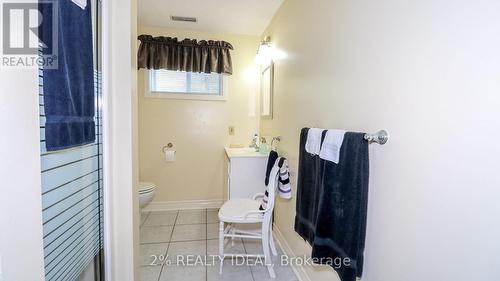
(267, 254)
(271, 243)
(270, 269)
(233, 232)
(221, 245)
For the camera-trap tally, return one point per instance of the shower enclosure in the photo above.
(72, 193)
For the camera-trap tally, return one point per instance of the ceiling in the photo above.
(226, 16)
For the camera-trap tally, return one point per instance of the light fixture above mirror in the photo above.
(265, 52)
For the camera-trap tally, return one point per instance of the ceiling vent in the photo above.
(186, 19)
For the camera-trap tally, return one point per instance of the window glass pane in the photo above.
(205, 83)
(186, 82)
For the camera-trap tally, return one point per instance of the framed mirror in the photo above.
(266, 91)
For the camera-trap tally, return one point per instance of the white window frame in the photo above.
(184, 96)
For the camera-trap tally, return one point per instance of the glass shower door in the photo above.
(72, 194)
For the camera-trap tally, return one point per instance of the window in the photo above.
(185, 85)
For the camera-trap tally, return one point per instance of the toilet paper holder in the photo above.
(169, 145)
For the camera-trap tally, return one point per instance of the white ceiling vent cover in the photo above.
(186, 19)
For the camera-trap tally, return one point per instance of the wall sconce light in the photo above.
(265, 52)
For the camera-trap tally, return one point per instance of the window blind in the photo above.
(167, 81)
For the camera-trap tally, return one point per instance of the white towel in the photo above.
(81, 3)
(313, 143)
(284, 186)
(330, 150)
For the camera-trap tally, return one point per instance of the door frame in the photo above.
(121, 210)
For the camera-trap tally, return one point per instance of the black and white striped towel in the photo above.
(284, 186)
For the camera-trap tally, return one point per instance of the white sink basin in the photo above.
(243, 152)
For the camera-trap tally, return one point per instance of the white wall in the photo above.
(428, 72)
(21, 245)
(120, 142)
(198, 129)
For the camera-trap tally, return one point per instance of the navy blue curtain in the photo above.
(68, 85)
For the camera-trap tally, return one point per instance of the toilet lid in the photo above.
(145, 187)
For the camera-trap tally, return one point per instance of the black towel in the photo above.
(341, 218)
(308, 190)
(273, 155)
(68, 89)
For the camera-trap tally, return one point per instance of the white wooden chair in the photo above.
(246, 211)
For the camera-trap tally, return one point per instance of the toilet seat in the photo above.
(146, 187)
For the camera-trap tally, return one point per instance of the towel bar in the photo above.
(380, 137)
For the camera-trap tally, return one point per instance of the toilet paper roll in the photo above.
(169, 155)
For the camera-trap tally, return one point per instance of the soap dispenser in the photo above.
(264, 147)
(255, 142)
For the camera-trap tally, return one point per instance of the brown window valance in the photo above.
(186, 55)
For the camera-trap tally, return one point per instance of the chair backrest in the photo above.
(272, 188)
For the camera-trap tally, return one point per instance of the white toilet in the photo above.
(146, 193)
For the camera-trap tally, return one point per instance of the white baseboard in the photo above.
(182, 205)
(300, 271)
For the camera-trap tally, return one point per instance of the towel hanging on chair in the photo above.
(284, 186)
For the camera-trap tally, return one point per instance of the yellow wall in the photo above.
(426, 71)
(198, 129)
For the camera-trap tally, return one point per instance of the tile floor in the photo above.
(191, 233)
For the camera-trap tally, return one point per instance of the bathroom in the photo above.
(187, 132)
